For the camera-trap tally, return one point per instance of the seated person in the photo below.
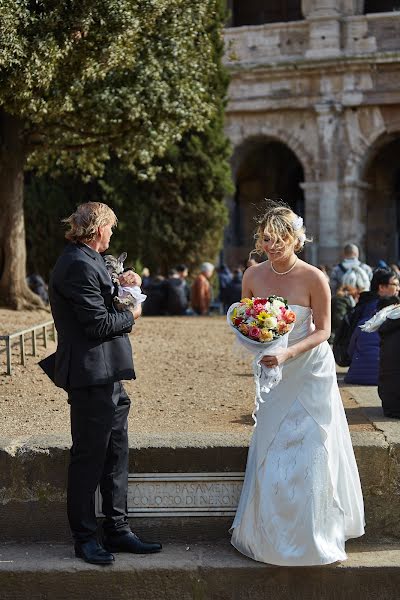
(156, 302)
(38, 286)
(342, 302)
(233, 292)
(389, 366)
(177, 301)
(364, 347)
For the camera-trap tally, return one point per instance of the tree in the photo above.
(180, 216)
(84, 80)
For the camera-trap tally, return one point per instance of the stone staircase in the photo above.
(200, 571)
(36, 557)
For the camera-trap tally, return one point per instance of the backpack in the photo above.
(355, 277)
(342, 339)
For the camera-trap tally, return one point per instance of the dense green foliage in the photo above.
(178, 215)
(95, 78)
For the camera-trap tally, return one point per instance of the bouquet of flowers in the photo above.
(262, 326)
(262, 319)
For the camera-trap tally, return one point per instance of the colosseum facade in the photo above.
(314, 118)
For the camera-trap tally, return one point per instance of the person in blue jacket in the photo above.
(364, 347)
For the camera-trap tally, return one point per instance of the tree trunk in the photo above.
(14, 291)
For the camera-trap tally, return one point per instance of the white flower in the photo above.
(277, 304)
(271, 322)
(297, 223)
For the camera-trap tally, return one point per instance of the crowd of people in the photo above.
(358, 294)
(174, 295)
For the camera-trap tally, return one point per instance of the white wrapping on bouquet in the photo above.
(265, 378)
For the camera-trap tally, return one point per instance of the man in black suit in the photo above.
(93, 355)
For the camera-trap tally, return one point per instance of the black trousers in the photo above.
(99, 456)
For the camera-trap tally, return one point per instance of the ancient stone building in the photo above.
(314, 118)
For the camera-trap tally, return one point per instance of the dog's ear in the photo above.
(122, 257)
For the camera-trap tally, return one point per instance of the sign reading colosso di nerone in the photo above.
(181, 494)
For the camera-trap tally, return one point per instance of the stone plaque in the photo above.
(181, 494)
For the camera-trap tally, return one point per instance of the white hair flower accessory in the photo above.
(297, 223)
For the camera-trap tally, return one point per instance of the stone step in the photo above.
(33, 476)
(194, 572)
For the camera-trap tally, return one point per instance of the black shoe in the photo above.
(93, 553)
(129, 542)
(391, 415)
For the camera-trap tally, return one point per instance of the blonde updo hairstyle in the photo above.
(280, 223)
(85, 221)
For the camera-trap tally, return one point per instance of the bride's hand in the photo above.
(275, 361)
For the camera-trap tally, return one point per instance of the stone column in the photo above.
(331, 7)
(353, 213)
(323, 17)
(329, 151)
(311, 218)
(317, 8)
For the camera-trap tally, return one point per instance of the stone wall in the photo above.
(327, 88)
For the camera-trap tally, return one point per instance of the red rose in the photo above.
(262, 301)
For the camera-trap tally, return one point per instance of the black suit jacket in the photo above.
(93, 345)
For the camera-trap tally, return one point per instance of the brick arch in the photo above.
(275, 135)
(379, 171)
(379, 141)
(364, 150)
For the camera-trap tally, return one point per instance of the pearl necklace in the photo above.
(285, 272)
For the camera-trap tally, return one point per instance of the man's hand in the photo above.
(130, 278)
(137, 311)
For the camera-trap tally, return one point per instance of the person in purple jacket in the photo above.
(364, 347)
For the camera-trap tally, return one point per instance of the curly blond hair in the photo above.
(85, 221)
(284, 227)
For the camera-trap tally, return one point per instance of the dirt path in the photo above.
(188, 380)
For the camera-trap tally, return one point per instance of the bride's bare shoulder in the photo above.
(311, 273)
(255, 270)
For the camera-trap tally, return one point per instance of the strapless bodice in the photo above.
(303, 325)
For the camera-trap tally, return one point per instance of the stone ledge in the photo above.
(33, 478)
(195, 572)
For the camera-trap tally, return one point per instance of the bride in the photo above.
(301, 497)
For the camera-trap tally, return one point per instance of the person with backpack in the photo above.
(363, 348)
(351, 271)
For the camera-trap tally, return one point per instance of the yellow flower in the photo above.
(266, 336)
(248, 301)
(262, 316)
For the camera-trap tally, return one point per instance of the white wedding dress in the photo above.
(301, 497)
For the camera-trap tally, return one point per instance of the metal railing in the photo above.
(36, 331)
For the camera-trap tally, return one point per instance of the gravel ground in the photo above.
(188, 380)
